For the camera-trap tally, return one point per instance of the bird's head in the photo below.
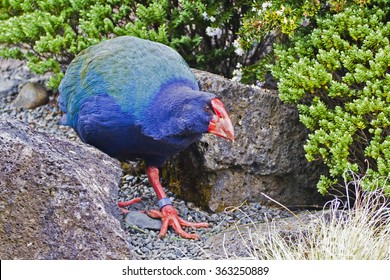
(220, 124)
(185, 113)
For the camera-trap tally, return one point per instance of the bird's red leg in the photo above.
(168, 213)
(122, 204)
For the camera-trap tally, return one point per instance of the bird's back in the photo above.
(129, 69)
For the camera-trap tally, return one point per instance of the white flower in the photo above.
(239, 51)
(237, 75)
(236, 43)
(210, 31)
(306, 22)
(206, 17)
(266, 5)
(280, 12)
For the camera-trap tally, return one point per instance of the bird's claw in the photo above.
(169, 217)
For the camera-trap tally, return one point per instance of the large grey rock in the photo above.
(58, 199)
(31, 95)
(267, 156)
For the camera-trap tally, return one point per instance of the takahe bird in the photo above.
(136, 99)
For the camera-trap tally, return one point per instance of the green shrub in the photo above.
(339, 75)
(275, 21)
(49, 33)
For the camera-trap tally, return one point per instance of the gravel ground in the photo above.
(145, 243)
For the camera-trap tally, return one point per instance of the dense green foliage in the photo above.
(49, 33)
(276, 20)
(339, 75)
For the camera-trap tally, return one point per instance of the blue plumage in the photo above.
(134, 98)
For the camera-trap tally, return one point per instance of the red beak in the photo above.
(221, 125)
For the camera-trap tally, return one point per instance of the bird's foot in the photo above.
(169, 217)
(122, 204)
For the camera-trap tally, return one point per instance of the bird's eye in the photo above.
(207, 108)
